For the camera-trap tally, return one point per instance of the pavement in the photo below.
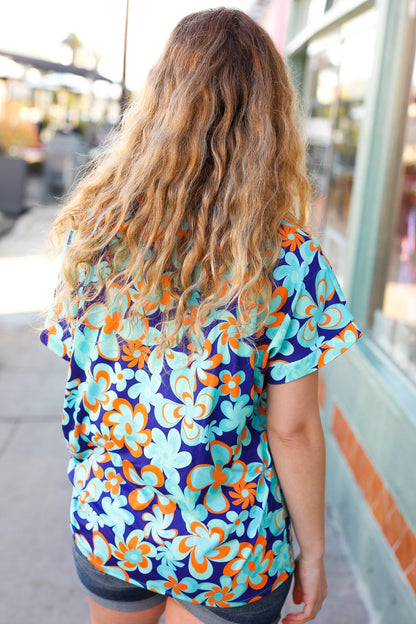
(39, 585)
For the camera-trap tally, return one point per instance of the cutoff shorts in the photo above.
(118, 595)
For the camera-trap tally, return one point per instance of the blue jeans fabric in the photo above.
(119, 595)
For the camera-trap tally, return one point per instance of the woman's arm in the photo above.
(298, 449)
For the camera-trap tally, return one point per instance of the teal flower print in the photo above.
(86, 350)
(115, 516)
(149, 479)
(157, 524)
(236, 413)
(121, 376)
(215, 476)
(291, 273)
(283, 557)
(209, 433)
(186, 586)
(309, 249)
(252, 564)
(295, 370)
(94, 520)
(225, 331)
(205, 543)
(338, 344)
(317, 313)
(237, 521)
(287, 346)
(203, 363)
(95, 390)
(134, 553)
(222, 594)
(91, 492)
(276, 521)
(164, 452)
(99, 554)
(146, 388)
(189, 411)
(257, 515)
(166, 554)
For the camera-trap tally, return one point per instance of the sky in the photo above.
(37, 28)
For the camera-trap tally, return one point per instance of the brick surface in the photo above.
(394, 527)
(397, 532)
(406, 549)
(373, 488)
(365, 471)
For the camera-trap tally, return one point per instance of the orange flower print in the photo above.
(112, 322)
(80, 429)
(229, 332)
(218, 596)
(216, 476)
(264, 471)
(291, 237)
(251, 564)
(204, 362)
(135, 353)
(339, 344)
(175, 585)
(134, 553)
(100, 438)
(280, 579)
(113, 481)
(128, 426)
(95, 390)
(276, 316)
(245, 494)
(231, 384)
(164, 300)
(204, 545)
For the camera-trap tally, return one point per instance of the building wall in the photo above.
(368, 403)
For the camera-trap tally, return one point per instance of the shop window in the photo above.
(338, 70)
(394, 324)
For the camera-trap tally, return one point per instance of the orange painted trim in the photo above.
(388, 516)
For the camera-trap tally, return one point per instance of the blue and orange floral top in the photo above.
(174, 487)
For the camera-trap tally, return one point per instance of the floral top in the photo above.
(174, 487)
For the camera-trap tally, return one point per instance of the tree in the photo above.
(75, 45)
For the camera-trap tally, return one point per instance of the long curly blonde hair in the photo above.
(195, 183)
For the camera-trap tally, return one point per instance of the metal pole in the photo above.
(123, 99)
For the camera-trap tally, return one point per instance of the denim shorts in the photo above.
(118, 595)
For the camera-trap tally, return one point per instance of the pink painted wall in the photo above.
(280, 19)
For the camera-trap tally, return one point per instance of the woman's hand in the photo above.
(310, 588)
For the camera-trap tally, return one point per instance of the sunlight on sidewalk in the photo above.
(27, 283)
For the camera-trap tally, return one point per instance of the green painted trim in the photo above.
(338, 14)
(399, 387)
(377, 169)
(367, 398)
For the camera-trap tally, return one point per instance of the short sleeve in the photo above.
(316, 325)
(60, 324)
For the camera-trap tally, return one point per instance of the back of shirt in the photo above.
(174, 487)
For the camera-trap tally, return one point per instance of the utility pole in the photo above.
(123, 99)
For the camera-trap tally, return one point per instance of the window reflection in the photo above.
(339, 67)
(395, 324)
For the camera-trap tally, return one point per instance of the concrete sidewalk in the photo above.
(39, 584)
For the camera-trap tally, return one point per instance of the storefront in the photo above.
(355, 68)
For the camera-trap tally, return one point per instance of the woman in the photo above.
(195, 310)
